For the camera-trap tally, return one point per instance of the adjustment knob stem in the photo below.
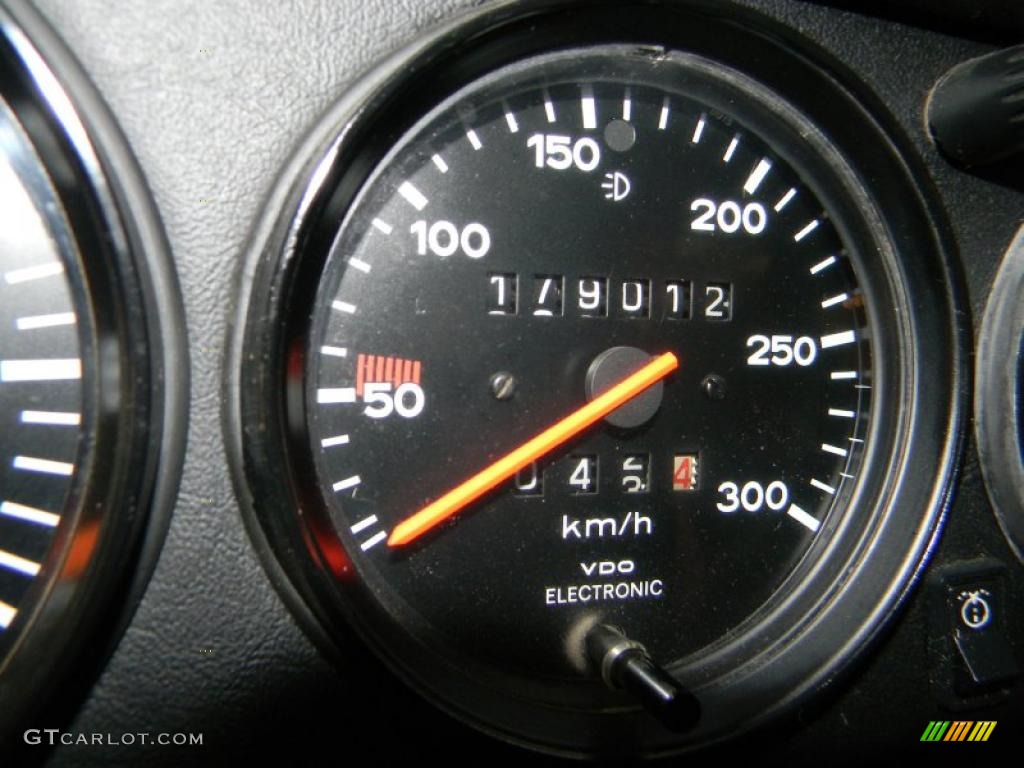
(624, 664)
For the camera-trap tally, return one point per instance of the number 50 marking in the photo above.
(407, 401)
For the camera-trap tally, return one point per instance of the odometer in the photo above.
(603, 351)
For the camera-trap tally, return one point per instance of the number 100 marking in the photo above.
(442, 238)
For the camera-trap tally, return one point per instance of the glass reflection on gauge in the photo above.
(42, 324)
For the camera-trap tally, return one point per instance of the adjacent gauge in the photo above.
(999, 404)
(595, 370)
(40, 392)
(84, 362)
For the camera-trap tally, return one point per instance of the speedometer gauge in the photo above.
(603, 353)
(562, 235)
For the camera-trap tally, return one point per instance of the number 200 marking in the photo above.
(728, 216)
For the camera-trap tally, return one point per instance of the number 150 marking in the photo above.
(561, 153)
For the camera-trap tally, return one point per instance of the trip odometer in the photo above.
(596, 373)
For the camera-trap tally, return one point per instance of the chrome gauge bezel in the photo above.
(134, 378)
(999, 397)
(883, 557)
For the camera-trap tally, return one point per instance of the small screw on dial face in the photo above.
(713, 386)
(503, 385)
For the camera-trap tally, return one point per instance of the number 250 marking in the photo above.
(784, 350)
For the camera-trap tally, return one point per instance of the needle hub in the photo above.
(611, 367)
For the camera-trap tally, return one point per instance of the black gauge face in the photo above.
(41, 391)
(531, 242)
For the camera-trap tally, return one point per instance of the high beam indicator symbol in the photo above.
(616, 186)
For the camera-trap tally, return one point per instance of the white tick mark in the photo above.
(784, 200)
(757, 176)
(413, 196)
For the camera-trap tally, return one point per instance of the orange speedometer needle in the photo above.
(558, 433)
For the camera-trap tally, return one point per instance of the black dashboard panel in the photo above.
(213, 100)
